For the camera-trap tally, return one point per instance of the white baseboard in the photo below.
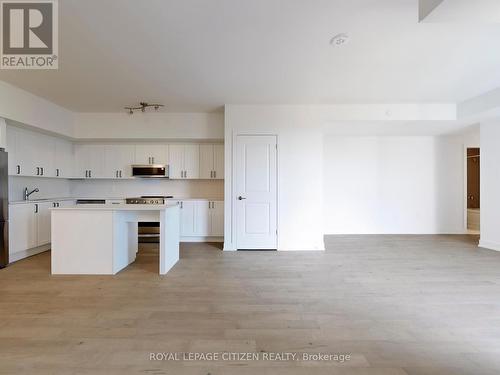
(489, 245)
(28, 253)
(202, 239)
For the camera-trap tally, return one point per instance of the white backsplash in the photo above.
(49, 187)
(60, 188)
(210, 189)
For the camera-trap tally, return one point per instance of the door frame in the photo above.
(466, 178)
(234, 223)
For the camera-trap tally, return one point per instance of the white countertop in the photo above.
(31, 201)
(117, 207)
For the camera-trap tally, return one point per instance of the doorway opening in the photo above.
(473, 190)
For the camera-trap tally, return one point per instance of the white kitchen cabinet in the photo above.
(206, 161)
(219, 162)
(90, 160)
(22, 227)
(202, 225)
(211, 162)
(30, 224)
(217, 218)
(22, 146)
(151, 154)
(42, 218)
(39, 155)
(44, 151)
(184, 161)
(202, 218)
(118, 161)
(63, 159)
(188, 217)
(14, 164)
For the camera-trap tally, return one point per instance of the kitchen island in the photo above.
(102, 239)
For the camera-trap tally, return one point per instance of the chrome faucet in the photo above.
(27, 194)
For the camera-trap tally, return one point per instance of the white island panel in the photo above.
(82, 242)
(102, 240)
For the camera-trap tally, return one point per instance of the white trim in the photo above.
(202, 239)
(28, 253)
(489, 245)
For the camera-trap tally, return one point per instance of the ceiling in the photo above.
(197, 55)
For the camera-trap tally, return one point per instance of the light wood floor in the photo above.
(398, 304)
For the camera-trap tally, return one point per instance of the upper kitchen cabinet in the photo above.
(14, 162)
(63, 159)
(39, 155)
(151, 154)
(184, 161)
(30, 153)
(90, 161)
(118, 161)
(212, 161)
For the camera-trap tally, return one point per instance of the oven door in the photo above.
(150, 171)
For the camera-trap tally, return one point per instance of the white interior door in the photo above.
(256, 192)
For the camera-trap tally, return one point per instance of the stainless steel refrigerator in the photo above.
(4, 209)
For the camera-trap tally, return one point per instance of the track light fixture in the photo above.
(142, 106)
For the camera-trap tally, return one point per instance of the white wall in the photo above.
(490, 185)
(149, 125)
(394, 185)
(134, 188)
(23, 107)
(49, 187)
(300, 158)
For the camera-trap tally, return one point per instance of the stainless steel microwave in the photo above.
(150, 171)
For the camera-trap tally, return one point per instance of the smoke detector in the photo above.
(339, 40)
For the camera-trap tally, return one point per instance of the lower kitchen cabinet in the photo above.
(202, 218)
(42, 215)
(217, 218)
(22, 227)
(29, 225)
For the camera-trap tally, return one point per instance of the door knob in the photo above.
(240, 198)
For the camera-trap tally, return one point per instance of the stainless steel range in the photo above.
(149, 232)
(148, 199)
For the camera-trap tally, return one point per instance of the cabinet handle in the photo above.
(90, 173)
(57, 172)
(185, 174)
(86, 174)
(18, 169)
(211, 174)
(120, 174)
(53, 204)
(57, 204)
(38, 171)
(182, 205)
(153, 159)
(42, 170)
(116, 174)
(36, 208)
(215, 174)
